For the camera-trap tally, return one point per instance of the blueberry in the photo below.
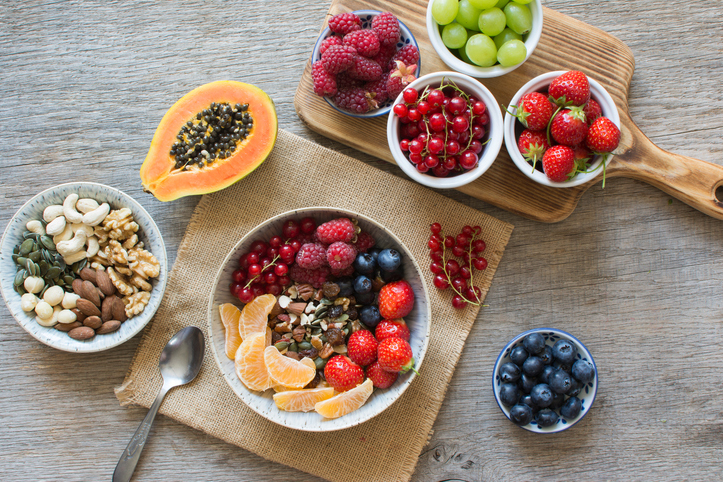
(527, 400)
(509, 372)
(546, 355)
(564, 352)
(521, 414)
(509, 394)
(526, 383)
(365, 264)
(563, 366)
(560, 381)
(365, 298)
(546, 418)
(362, 284)
(389, 276)
(533, 366)
(557, 400)
(534, 343)
(541, 395)
(572, 408)
(546, 372)
(346, 287)
(374, 253)
(518, 355)
(583, 371)
(575, 387)
(369, 315)
(389, 259)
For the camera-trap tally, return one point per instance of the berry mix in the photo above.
(361, 68)
(541, 382)
(442, 129)
(564, 128)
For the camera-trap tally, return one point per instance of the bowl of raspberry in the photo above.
(561, 129)
(362, 60)
(445, 130)
(545, 380)
(319, 319)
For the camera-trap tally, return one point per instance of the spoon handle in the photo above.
(129, 459)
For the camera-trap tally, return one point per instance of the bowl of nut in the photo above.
(83, 267)
(319, 319)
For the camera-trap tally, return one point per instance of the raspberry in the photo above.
(324, 82)
(378, 90)
(311, 256)
(365, 69)
(315, 277)
(343, 273)
(365, 42)
(344, 23)
(385, 55)
(364, 242)
(344, 82)
(354, 100)
(386, 26)
(340, 229)
(328, 42)
(340, 255)
(338, 58)
(400, 78)
(409, 54)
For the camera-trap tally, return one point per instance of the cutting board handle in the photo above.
(695, 182)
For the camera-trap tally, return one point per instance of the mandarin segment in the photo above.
(249, 362)
(230, 316)
(255, 314)
(302, 400)
(345, 402)
(286, 371)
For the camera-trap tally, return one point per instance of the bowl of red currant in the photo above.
(445, 130)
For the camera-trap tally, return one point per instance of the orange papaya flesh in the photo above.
(160, 174)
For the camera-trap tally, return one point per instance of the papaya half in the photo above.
(212, 137)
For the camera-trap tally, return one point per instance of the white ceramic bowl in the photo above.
(454, 62)
(262, 403)
(587, 394)
(513, 128)
(490, 149)
(33, 209)
(405, 38)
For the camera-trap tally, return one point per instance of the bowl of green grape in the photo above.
(484, 38)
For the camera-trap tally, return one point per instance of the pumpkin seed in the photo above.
(343, 317)
(29, 265)
(60, 262)
(68, 279)
(20, 290)
(48, 242)
(29, 235)
(294, 347)
(16, 250)
(15, 257)
(319, 362)
(281, 345)
(82, 263)
(346, 331)
(40, 295)
(20, 277)
(316, 331)
(22, 261)
(35, 256)
(305, 345)
(44, 266)
(323, 338)
(319, 314)
(324, 301)
(61, 283)
(52, 273)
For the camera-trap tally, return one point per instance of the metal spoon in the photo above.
(180, 362)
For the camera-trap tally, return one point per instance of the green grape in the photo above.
(492, 21)
(511, 53)
(454, 35)
(523, 2)
(507, 34)
(519, 17)
(463, 55)
(501, 3)
(468, 15)
(484, 4)
(444, 11)
(481, 50)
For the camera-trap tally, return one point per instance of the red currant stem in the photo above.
(449, 278)
(549, 124)
(272, 263)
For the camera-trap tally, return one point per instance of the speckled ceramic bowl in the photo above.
(586, 395)
(33, 209)
(263, 403)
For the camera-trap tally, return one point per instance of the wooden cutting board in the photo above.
(595, 52)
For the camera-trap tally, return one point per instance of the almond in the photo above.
(119, 310)
(106, 309)
(86, 307)
(108, 327)
(67, 326)
(104, 283)
(88, 274)
(93, 322)
(78, 286)
(90, 293)
(79, 315)
(81, 333)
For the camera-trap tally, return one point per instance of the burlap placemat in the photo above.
(300, 174)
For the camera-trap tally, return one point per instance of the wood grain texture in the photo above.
(631, 272)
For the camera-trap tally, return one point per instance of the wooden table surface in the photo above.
(633, 274)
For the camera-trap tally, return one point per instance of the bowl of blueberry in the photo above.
(545, 380)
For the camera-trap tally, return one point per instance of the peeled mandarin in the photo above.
(249, 362)
(255, 315)
(345, 402)
(230, 316)
(286, 371)
(302, 400)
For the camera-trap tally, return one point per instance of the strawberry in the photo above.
(395, 355)
(558, 163)
(343, 374)
(532, 145)
(603, 135)
(534, 111)
(396, 300)
(362, 348)
(570, 88)
(582, 156)
(592, 111)
(569, 127)
(380, 378)
(392, 329)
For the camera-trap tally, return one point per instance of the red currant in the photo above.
(468, 160)
(458, 251)
(410, 95)
(473, 293)
(243, 261)
(414, 115)
(435, 145)
(422, 167)
(411, 131)
(437, 122)
(307, 225)
(254, 270)
(460, 124)
(416, 158)
(284, 280)
(480, 263)
(273, 289)
(252, 258)
(452, 147)
(400, 110)
(416, 147)
(436, 228)
(450, 162)
(436, 267)
(478, 132)
(483, 119)
(264, 262)
(272, 252)
(431, 161)
(281, 269)
(235, 288)
(440, 171)
(287, 253)
(295, 244)
(456, 105)
(475, 146)
(458, 302)
(460, 284)
(434, 245)
(238, 276)
(258, 291)
(448, 241)
(465, 273)
(269, 278)
(463, 240)
(259, 247)
(290, 229)
(478, 108)
(246, 295)
(422, 137)
(404, 145)
(467, 230)
(479, 246)
(435, 97)
(452, 267)
(441, 282)
(436, 256)
(423, 107)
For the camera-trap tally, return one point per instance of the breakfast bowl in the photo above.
(457, 59)
(262, 400)
(406, 38)
(528, 371)
(513, 128)
(488, 140)
(50, 275)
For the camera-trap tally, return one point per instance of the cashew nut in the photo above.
(96, 216)
(74, 257)
(28, 302)
(65, 235)
(34, 284)
(35, 226)
(69, 210)
(50, 321)
(52, 212)
(89, 231)
(69, 300)
(56, 226)
(93, 246)
(86, 205)
(54, 295)
(66, 316)
(44, 310)
(72, 246)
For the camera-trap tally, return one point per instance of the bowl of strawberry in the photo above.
(333, 298)
(362, 60)
(561, 129)
(445, 130)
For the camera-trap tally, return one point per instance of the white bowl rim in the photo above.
(350, 422)
(533, 38)
(137, 207)
(562, 333)
(491, 149)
